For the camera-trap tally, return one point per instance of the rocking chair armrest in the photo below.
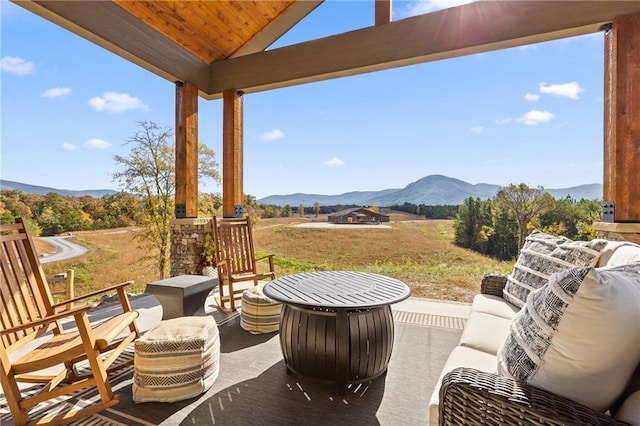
(117, 287)
(269, 256)
(50, 318)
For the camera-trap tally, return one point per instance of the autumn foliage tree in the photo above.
(526, 204)
(149, 172)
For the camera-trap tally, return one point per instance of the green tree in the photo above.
(148, 171)
(471, 224)
(301, 210)
(526, 204)
(316, 208)
(286, 211)
(502, 236)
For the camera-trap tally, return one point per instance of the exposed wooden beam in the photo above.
(467, 29)
(383, 12)
(284, 23)
(111, 27)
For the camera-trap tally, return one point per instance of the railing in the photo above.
(67, 290)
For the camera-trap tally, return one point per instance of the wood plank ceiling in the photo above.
(210, 30)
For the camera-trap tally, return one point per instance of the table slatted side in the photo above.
(310, 348)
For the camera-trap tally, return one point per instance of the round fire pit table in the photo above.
(337, 326)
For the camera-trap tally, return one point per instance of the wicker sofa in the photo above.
(471, 391)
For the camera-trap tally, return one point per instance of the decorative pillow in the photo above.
(578, 335)
(543, 255)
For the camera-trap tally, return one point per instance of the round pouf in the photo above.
(177, 359)
(258, 313)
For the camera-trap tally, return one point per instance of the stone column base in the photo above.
(618, 231)
(187, 238)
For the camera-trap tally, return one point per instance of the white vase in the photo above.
(210, 271)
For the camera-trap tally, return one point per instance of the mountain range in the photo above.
(430, 190)
(43, 190)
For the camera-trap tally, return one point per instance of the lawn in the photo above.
(416, 251)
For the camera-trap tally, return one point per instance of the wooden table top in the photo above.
(337, 289)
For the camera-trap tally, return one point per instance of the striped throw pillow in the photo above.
(578, 335)
(543, 255)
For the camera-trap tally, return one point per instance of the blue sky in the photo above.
(532, 114)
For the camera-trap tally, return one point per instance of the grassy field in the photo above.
(418, 252)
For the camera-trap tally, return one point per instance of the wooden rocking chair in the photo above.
(29, 313)
(236, 259)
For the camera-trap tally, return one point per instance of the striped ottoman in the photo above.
(258, 313)
(175, 360)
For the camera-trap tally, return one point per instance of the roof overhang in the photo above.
(467, 29)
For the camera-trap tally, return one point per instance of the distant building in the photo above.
(357, 216)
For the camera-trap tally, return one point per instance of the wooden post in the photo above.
(186, 150)
(70, 290)
(621, 118)
(383, 12)
(232, 152)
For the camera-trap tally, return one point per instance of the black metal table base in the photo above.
(335, 345)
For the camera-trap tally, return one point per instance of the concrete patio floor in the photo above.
(151, 311)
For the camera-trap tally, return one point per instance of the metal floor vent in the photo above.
(429, 320)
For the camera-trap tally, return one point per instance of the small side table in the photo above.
(182, 295)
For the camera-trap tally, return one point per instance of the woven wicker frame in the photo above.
(473, 397)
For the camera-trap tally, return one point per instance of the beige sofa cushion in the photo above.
(543, 255)
(493, 305)
(578, 335)
(485, 332)
(460, 357)
(618, 253)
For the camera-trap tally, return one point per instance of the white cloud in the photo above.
(334, 162)
(477, 130)
(96, 144)
(272, 135)
(503, 120)
(116, 102)
(531, 97)
(566, 90)
(56, 92)
(16, 65)
(535, 117)
(67, 146)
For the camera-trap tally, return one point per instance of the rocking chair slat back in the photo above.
(236, 245)
(236, 259)
(24, 293)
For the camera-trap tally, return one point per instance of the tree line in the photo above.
(497, 227)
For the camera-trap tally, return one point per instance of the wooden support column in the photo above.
(186, 150)
(622, 119)
(232, 151)
(383, 12)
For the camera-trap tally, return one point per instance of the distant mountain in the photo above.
(42, 190)
(430, 190)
